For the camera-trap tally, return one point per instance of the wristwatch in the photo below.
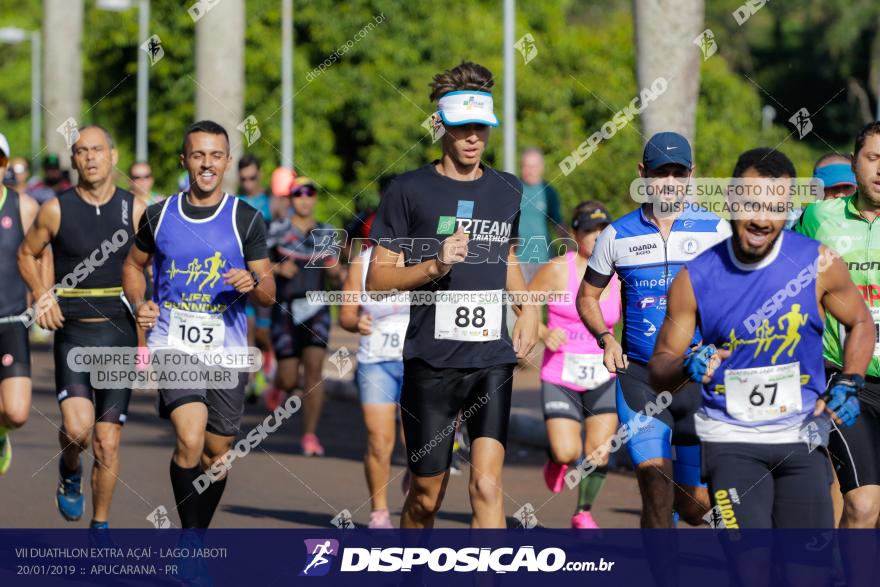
(601, 338)
(256, 278)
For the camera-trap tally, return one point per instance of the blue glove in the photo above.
(696, 362)
(841, 396)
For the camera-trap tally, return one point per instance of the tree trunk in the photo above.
(665, 32)
(62, 73)
(220, 74)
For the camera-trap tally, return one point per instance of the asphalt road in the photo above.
(274, 486)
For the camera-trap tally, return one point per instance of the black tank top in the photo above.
(13, 292)
(90, 250)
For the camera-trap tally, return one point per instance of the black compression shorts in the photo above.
(111, 405)
(15, 351)
(432, 399)
(562, 402)
(855, 451)
(289, 339)
(769, 485)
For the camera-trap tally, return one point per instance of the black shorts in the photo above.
(431, 400)
(855, 451)
(289, 339)
(225, 404)
(562, 402)
(111, 405)
(676, 421)
(769, 485)
(15, 351)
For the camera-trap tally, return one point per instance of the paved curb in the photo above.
(526, 426)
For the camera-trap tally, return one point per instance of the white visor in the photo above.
(467, 107)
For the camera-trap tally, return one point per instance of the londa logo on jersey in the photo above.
(642, 249)
(477, 229)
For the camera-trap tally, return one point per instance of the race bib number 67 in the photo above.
(473, 316)
(763, 393)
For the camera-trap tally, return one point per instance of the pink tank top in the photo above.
(579, 340)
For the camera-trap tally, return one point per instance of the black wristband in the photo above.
(854, 381)
(600, 340)
(857, 379)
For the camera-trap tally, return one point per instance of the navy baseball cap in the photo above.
(589, 219)
(665, 148)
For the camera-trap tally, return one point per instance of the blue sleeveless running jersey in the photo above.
(633, 247)
(197, 310)
(768, 316)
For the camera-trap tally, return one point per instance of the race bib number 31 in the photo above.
(587, 371)
(473, 316)
(763, 393)
(195, 331)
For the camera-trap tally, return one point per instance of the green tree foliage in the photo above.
(361, 117)
(822, 55)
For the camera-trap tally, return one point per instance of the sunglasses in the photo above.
(243, 178)
(138, 177)
(308, 192)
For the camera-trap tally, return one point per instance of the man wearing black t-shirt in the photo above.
(452, 221)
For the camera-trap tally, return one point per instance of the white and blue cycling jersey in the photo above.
(646, 263)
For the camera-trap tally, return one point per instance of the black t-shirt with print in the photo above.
(422, 208)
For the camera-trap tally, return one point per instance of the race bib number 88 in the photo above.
(473, 316)
(763, 393)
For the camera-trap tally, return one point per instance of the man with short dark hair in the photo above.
(846, 225)
(251, 189)
(759, 300)
(458, 356)
(767, 162)
(208, 251)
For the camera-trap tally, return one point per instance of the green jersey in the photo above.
(837, 224)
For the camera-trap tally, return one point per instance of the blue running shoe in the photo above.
(69, 497)
(100, 536)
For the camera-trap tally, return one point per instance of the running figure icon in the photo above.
(319, 553)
